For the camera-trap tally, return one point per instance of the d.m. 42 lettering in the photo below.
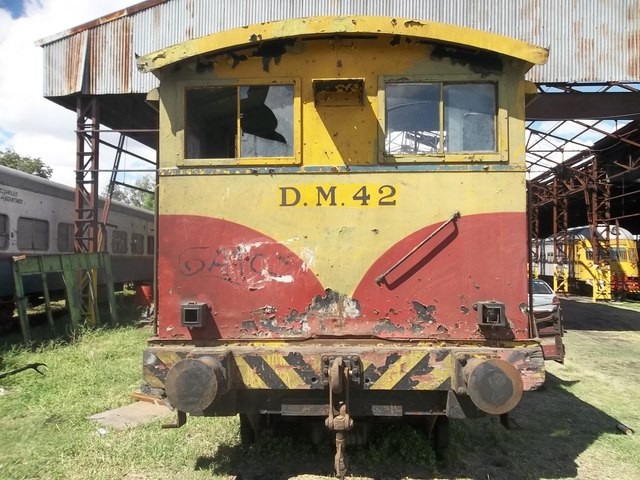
(339, 195)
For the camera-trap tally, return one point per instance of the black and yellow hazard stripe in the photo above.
(283, 369)
(286, 370)
(409, 370)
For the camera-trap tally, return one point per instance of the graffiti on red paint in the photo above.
(252, 264)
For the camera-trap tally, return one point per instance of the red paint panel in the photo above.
(431, 293)
(247, 278)
(259, 288)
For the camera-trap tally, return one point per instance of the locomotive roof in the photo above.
(32, 183)
(322, 26)
(584, 232)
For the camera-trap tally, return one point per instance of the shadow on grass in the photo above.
(552, 428)
(580, 315)
(127, 313)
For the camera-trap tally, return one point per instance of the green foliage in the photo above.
(35, 166)
(141, 196)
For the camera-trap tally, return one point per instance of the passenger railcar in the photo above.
(342, 229)
(619, 251)
(37, 218)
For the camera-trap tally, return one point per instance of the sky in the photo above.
(36, 127)
(30, 124)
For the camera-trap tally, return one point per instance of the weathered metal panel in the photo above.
(64, 65)
(111, 60)
(590, 40)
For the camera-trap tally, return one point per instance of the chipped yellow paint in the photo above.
(249, 377)
(438, 32)
(285, 371)
(168, 357)
(398, 370)
(436, 377)
(152, 380)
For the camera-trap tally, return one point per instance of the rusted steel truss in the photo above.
(87, 165)
(597, 198)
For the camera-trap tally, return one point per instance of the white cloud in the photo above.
(29, 123)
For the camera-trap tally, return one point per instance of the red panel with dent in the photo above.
(431, 293)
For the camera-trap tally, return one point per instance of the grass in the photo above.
(566, 430)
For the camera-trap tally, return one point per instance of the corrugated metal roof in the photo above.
(589, 40)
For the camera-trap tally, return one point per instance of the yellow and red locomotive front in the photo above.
(342, 228)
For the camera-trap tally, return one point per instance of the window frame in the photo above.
(137, 243)
(151, 244)
(124, 239)
(5, 236)
(181, 115)
(33, 223)
(69, 227)
(500, 155)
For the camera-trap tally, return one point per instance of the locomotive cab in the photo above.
(342, 229)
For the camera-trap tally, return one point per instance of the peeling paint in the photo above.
(484, 63)
(386, 326)
(335, 305)
(308, 256)
(424, 313)
(413, 23)
(267, 277)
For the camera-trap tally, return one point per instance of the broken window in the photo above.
(239, 121)
(438, 118)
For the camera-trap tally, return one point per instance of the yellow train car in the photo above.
(342, 229)
(617, 273)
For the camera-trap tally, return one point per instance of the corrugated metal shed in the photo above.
(589, 40)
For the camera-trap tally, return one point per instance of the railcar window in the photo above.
(438, 118)
(619, 254)
(4, 232)
(33, 234)
(413, 118)
(470, 117)
(137, 243)
(239, 121)
(119, 242)
(150, 244)
(65, 237)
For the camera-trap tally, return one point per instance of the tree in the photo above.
(139, 195)
(35, 166)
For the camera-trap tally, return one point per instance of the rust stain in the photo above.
(125, 37)
(190, 9)
(633, 43)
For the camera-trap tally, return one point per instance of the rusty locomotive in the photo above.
(342, 228)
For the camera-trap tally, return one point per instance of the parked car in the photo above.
(548, 317)
(545, 300)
